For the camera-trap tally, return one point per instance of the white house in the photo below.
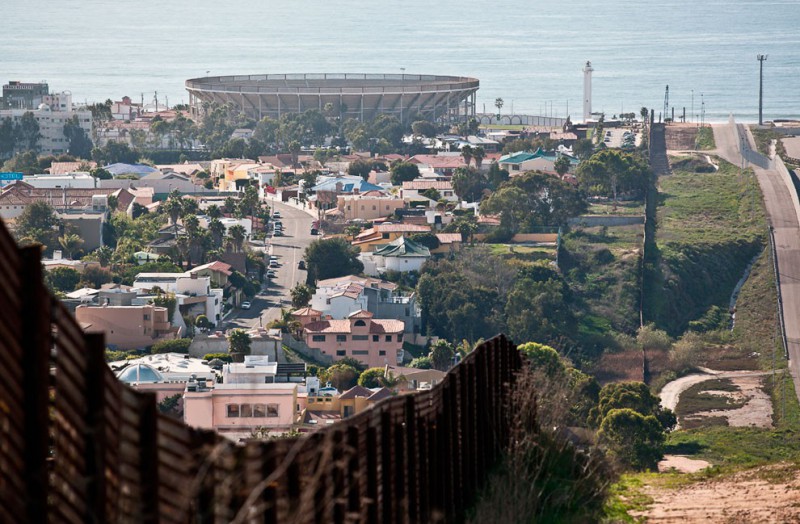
(400, 255)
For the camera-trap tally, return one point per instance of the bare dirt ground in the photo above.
(769, 494)
(681, 136)
(792, 146)
(757, 412)
(682, 464)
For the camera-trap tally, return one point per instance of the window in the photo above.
(382, 353)
(146, 316)
(385, 235)
(272, 410)
(341, 338)
(259, 410)
(246, 410)
(360, 323)
(361, 352)
(388, 338)
(400, 337)
(376, 338)
(374, 208)
(318, 338)
(360, 337)
(341, 353)
(233, 410)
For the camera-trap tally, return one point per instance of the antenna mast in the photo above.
(666, 103)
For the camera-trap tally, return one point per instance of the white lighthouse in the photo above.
(587, 91)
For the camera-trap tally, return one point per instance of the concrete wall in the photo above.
(203, 344)
(159, 186)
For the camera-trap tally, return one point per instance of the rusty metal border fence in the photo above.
(76, 445)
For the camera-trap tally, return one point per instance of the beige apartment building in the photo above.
(127, 327)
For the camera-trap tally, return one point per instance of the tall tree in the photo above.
(330, 258)
(38, 223)
(237, 233)
(469, 183)
(478, 153)
(80, 145)
(28, 133)
(403, 172)
(466, 153)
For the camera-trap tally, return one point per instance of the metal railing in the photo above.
(76, 445)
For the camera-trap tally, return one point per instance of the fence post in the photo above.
(36, 308)
(95, 425)
(148, 458)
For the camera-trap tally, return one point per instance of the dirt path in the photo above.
(769, 494)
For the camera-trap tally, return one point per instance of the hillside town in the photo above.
(266, 273)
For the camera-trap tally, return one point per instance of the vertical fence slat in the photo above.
(36, 340)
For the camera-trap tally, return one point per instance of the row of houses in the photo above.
(259, 396)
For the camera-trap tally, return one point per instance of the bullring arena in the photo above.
(359, 96)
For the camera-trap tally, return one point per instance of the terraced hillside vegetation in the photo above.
(711, 225)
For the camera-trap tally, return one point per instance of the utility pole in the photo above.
(761, 59)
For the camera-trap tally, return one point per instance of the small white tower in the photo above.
(587, 91)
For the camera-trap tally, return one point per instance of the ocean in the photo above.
(531, 54)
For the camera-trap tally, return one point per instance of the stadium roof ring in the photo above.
(360, 96)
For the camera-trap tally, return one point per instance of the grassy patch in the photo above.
(622, 208)
(736, 447)
(705, 139)
(785, 407)
(629, 494)
(710, 226)
(764, 138)
(709, 208)
(523, 254)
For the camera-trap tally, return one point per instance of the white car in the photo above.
(245, 305)
(273, 264)
(276, 214)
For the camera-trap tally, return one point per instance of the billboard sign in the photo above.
(5, 175)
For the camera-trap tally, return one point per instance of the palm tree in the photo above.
(478, 154)
(286, 322)
(237, 235)
(466, 152)
(70, 242)
(214, 211)
(192, 226)
(174, 208)
(498, 103)
(217, 231)
(294, 149)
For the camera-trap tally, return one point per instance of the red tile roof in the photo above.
(448, 238)
(439, 161)
(419, 184)
(356, 391)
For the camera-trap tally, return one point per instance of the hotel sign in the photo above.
(10, 176)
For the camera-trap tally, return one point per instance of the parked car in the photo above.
(272, 257)
(276, 214)
(314, 231)
(277, 233)
(271, 273)
(245, 305)
(301, 264)
(273, 264)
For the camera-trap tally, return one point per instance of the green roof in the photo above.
(403, 247)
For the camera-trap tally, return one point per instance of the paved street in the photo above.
(733, 142)
(289, 249)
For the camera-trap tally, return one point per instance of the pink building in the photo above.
(127, 327)
(235, 410)
(375, 342)
(248, 399)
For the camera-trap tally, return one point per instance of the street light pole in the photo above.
(761, 59)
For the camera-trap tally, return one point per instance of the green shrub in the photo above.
(225, 357)
(180, 345)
